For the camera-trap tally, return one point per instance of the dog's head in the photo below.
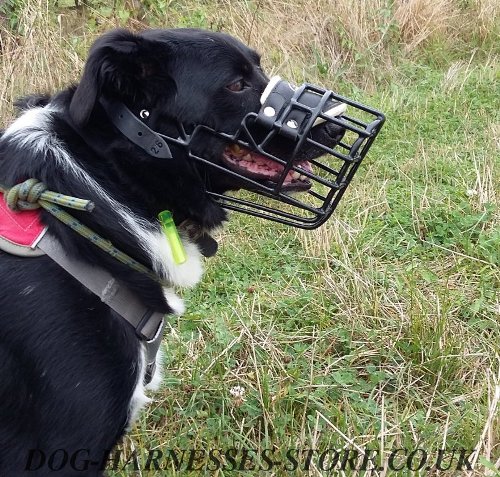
(178, 80)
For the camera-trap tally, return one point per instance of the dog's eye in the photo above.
(236, 86)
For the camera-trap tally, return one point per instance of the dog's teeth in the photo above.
(295, 175)
(302, 177)
(247, 157)
(236, 148)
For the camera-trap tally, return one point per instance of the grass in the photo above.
(381, 328)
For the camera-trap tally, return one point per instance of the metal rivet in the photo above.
(144, 114)
(269, 111)
(292, 124)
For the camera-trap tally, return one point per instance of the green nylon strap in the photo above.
(33, 194)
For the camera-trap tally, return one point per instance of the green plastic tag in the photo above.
(170, 231)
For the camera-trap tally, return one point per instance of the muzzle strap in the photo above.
(290, 108)
(135, 130)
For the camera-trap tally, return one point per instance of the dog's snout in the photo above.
(335, 132)
(329, 134)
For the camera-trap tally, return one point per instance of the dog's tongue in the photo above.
(256, 166)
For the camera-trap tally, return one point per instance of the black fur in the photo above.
(68, 364)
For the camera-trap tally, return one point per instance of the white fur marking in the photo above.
(174, 301)
(139, 398)
(186, 274)
(35, 120)
(157, 378)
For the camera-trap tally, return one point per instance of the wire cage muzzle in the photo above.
(331, 169)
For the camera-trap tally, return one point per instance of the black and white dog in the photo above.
(72, 371)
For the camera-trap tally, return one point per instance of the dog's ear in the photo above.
(120, 63)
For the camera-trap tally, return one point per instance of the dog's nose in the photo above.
(335, 132)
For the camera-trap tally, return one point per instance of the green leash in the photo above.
(33, 194)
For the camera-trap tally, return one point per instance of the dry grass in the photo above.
(301, 40)
(421, 20)
(40, 60)
(484, 18)
(339, 37)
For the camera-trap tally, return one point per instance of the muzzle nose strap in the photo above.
(275, 99)
(277, 109)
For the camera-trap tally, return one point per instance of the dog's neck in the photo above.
(128, 193)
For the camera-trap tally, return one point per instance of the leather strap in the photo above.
(277, 108)
(135, 130)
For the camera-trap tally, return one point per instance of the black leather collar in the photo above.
(135, 130)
